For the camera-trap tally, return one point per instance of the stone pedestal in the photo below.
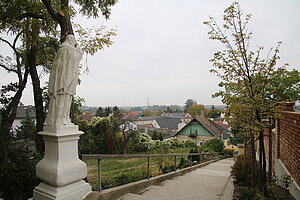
(61, 170)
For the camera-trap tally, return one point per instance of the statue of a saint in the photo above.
(62, 82)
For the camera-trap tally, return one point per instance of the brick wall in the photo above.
(288, 142)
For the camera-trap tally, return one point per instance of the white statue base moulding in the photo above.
(61, 170)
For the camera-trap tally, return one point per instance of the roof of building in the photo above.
(168, 122)
(148, 118)
(23, 111)
(176, 115)
(195, 127)
(226, 126)
(166, 133)
(214, 128)
(210, 126)
(132, 115)
(87, 116)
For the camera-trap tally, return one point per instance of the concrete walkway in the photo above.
(212, 182)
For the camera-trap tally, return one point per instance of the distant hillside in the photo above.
(175, 108)
(217, 107)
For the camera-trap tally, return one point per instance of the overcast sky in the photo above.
(162, 51)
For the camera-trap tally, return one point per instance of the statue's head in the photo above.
(71, 40)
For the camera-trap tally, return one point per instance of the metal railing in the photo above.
(100, 157)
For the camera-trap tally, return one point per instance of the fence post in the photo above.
(99, 175)
(148, 167)
(175, 163)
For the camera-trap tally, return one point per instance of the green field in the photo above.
(116, 172)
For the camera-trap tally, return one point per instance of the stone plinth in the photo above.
(61, 170)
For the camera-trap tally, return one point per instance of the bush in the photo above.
(184, 163)
(241, 170)
(17, 172)
(247, 193)
(277, 192)
(190, 143)
(167, 169)
(127, 178)
(215, 144)
(194, 158)
(228, 153)
(157, 135)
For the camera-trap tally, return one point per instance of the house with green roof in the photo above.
(201, 129)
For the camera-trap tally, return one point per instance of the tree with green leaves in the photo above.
(157, 135)
(212, 113)
(107, 111)
(100, 112)
(215, 145)
(27, 129)
(251, 84)
(189, 103)
(196, 110)
(34, 26)
(34, 44)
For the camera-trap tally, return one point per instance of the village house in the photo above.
(201, 129)
(144, 121)
(166, 123)
(185, 117)
(22, 113)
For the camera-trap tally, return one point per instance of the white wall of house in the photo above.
(181, 125)
(155, 124)
(142, 122)
(129, 126)
(199, 140)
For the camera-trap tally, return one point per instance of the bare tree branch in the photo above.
(8, 69)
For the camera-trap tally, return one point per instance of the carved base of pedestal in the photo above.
(74, 191)
(61, 170)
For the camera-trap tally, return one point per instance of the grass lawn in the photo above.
(116, 172)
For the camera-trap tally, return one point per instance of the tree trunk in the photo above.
(270, 151)
(125, 144)
(253, 160)
(8, 117)
(38, 98)
(264, 169)
(262, 162)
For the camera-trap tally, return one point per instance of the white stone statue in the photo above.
(62, 82)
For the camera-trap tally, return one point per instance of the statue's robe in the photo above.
(62, 84)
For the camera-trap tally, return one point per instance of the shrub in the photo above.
(215, 144)
(127, 178)
(194, 158)
(174, 143)
(277, 192)
(157, 135)
(286, 181)
(190, 143)
(247, 193)
(241, 170)
(166, 169)
(228, 152)
(17, 172)
(184, 163)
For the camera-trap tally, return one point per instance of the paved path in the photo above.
(212, 182)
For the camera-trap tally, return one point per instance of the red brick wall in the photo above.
(288, 142)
